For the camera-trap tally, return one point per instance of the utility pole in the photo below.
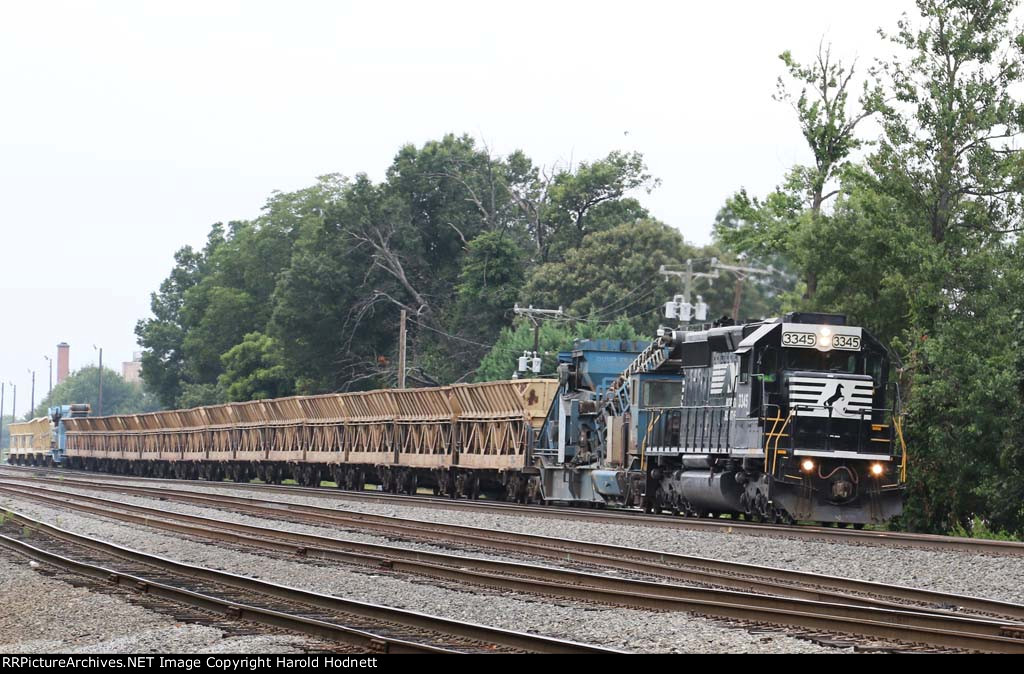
(50, 361)
(3, 385)
(742, 274)
(14, 402)
(100, 402)
(401, 352)
(535, 316)
(32, 410)
(680, 307)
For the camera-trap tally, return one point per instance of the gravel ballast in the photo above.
(42, 614)
(990, 576)
(631, 630)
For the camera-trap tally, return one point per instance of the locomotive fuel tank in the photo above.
(710, 492)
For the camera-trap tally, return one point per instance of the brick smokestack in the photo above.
(63, 353)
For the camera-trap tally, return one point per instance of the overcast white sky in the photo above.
(128, 128)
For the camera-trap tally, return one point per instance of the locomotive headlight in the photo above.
(877, 469)
(825, 332)
(807, 465)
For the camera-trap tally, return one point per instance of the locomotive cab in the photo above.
(786, 419)
(828, 421)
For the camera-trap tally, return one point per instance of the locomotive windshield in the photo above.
(835, 361)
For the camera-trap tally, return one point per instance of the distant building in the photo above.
(63, 361)
(132, 370)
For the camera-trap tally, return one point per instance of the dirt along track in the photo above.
(759, 595)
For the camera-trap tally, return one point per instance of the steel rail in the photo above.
(615, 516)
(229, 608)
(906, 627)
(507, 575)
(490, 636)
(671, 566)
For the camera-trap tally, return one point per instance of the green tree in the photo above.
(162, 337)
(553, 337)
(214, 297)
(615, 274)
(325, 271)
(563, 205)
(5, 435)
(492, 275)
(83, 386)
(791, 221)
(331, 314)
(948, 157)
(253, 370)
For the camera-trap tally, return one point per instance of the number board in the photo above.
(821, 337)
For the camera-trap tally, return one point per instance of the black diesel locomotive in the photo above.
(783, 420)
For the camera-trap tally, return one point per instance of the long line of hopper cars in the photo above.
(787, 419)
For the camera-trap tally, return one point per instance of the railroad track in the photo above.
(618, 516)
(766, 603)
(369, 626)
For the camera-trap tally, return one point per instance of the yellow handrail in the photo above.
(768, 438)
(897, 423)
(643, 445)
(775, 449)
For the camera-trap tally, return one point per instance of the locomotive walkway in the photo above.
(774, 596)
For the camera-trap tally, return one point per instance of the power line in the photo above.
(451, 336)
(608, 308)
(622, 309)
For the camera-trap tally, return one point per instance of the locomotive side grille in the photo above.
(847, 398)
